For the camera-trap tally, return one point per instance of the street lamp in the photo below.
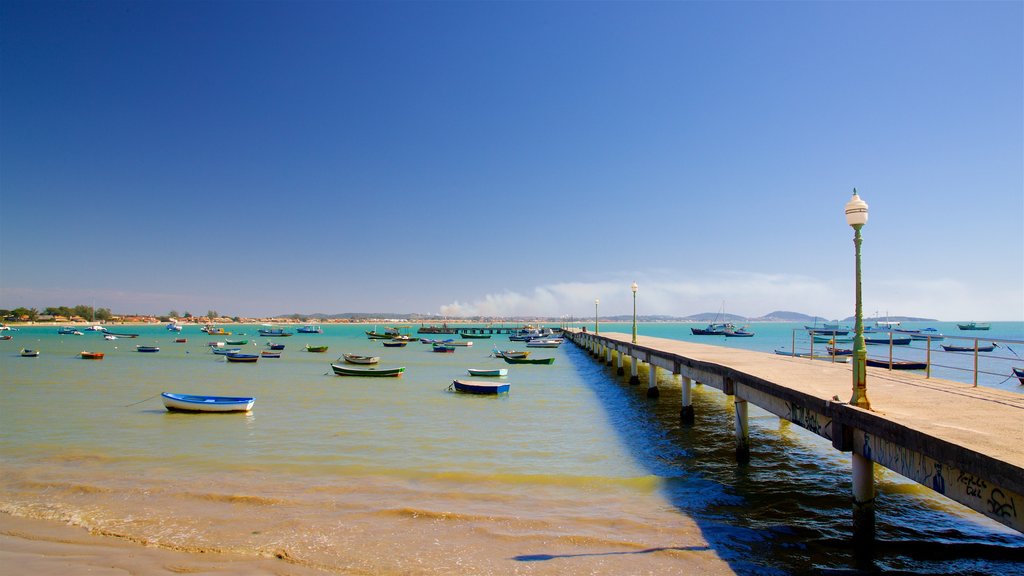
(634, 287)
(857, 217)
(596, 302)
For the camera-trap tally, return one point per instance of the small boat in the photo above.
(239, 357)
(92, 355)
(738, 333)
(713, 329)
(122, 334)
(310, 329)
(927, 334)
(6, 337)
(395, 343)
(357, 359)
(374, 335)
(894, 340)
(316, 348)
(981, 348)
(216, 331)
(71, 331)
(181, 340)
(29, 353)
(272, 346)
(215, 344)
(828, 332)
(109, 337)
(474, 387)
(444, 349)
(511, 354)
(832, 339)
(544, 343)
(973, 326)
(141, 348)
(191, 403)
(836, 358)
(839, 351)
(467, 335)
(342, 370)
(492, 372)
(273, 332)
(174, 327)
(1019, 373)
(529, 360)
(226, 351)
(270, 354)
(459, 343)
(236, 342)
(897, 364)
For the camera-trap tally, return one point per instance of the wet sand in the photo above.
(44, 548)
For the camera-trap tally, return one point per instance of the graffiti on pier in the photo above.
(809, 419)
(1001, 505)
(972, 485)
(946, 478)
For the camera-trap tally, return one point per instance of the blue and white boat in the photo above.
(274, 332)
(192, 403)
(311, 329)
(225, 351)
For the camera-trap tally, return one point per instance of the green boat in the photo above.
(467, 336)
(236, 342)
(316, 348)
(973, 326)
(529, 360)
(353, 371)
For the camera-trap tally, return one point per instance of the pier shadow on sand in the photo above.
(545, 557)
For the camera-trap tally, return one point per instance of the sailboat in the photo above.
(715, 328)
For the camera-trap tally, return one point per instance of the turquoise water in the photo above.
(574, 470)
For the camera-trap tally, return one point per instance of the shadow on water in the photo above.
(788, 511)
(544, 557)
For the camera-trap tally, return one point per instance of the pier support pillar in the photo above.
(863, 504)
(742, 431)
(620, 371)
(686, 412)
(652, 383)
(608, 356)
(634, 370)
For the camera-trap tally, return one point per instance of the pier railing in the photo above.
(985, 361)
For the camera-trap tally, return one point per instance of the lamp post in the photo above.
(596, 302)
(634, 287)
(857, 217)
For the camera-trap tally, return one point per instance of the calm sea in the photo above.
(573, 471)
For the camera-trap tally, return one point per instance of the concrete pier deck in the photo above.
(964, 442)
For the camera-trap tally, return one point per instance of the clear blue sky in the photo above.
(515, 158)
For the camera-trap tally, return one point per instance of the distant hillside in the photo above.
(784, 316)
(714, 317)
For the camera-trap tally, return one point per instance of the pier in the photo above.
(961, 441)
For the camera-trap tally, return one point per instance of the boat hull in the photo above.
(529, 360)
(357, 359)
(472, 387)
(243, 358)
(215, 404)
(490, 372)
(897, 364)
(372, 372)
(92, 355)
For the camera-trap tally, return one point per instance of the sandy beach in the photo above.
(43, 548)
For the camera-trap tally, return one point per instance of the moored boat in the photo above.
(225, 351)
(216, 331)
(242, 358)
(273, 346)
(528, 360)
(273, 332)
(394, 343)
(342, 370)
(236, 342)
(29, 353)
(544, 343)
(357, 359)
(310, 329)
(981, 347)
(122, 334)
(1019, 373)
(316, 348)
(443, 349)
(92, 355)
(491, 372)
(70, 331)
(141, 348)
(894, 340)
(973, 326)
(474, 387)
(713, 329)
(181, 340)
(193, 403)
(467, 336)
(270, 354)
(512, 353)
(738, 333)
(896, 364)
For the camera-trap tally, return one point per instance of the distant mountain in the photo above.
(784, 316)
(872, 319)
(714, 317)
